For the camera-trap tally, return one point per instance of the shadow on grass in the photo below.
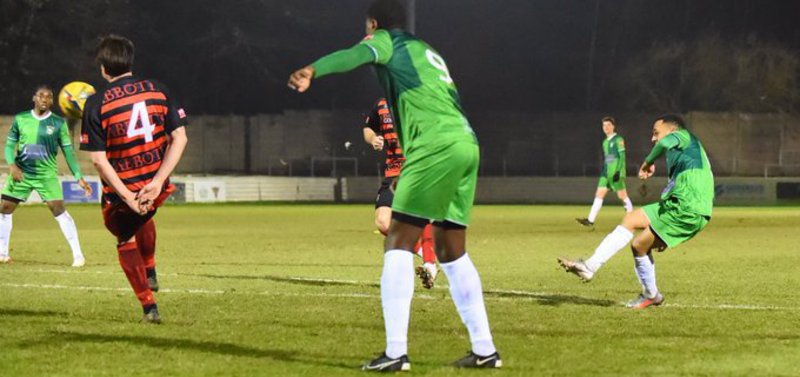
(30, 313)
(221, 348)
(292, 280)
(552, 299)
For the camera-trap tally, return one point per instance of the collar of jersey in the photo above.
(47, 115)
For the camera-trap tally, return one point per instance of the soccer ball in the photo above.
(72, 98)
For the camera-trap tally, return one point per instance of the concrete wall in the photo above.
(512, 143)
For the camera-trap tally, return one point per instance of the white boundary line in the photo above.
(517, 294)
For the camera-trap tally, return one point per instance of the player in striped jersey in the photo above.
(135, 133)
(379, 132)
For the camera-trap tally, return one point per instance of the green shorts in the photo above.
(611, 184)
(672, 224)
(439, 184)
(49, 188)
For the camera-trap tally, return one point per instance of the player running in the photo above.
(684, 209)
(613, 175)
(31, 150)
(135, 134)
(379, 132)
(437, 181)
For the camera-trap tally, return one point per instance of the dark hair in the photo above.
(610, 120)
(390, 14)
(672, 119)
(43, 87)
(115, 54)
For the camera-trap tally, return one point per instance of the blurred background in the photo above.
(535, 77)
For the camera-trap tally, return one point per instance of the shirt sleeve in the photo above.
(373, 120)
(342, 61)
(380, 43)
(665, 144)
(11, 143)
(93, 136)
(176, 115)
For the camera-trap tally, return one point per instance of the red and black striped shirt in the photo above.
(381, 121)
(130, 120)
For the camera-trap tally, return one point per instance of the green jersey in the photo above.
(614, 156)
(691, 181)
(419, 87)
(36, 141)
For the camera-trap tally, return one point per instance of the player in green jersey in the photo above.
(613, 175)
(437, 181)
(683, 211)
(31, 150)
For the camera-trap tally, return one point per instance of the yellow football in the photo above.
(72, 98)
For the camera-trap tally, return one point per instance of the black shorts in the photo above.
(385, 193)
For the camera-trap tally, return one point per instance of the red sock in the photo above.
(146, 242)
(428, 253)
(133, 266)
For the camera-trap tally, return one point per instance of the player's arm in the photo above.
(72, 161)
(376, 48)
(109, 175)
(666, 143)
(621, 164)
(370, 136)
(175, 122)
(11, 152)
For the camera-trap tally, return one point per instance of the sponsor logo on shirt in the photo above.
(181, 113)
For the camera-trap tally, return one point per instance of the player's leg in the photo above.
(7, 208)
(611, 244)
(124, 224)
(622, 194)
(597, 204)
(383, 205)
(417, 199)
(146, 242)
(644, 266)
(13, 193)
(450, 238)
(428, 271)
(397, 289)
(67, 225)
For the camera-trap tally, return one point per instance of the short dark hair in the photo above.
(672, 119)
(115, 54)
(42, 87)
(390, 14)
(609, 120)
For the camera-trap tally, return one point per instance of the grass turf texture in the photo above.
(290, 290)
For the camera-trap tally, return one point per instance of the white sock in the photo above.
(397, 288)
(646, 271)
(644, 289)
(628, 204)
(596, 205)
(614, 242)
(5, 233)
(467, 294)
(70, 233)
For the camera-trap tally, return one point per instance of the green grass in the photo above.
(284, 290)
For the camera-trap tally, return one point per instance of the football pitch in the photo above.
(284, 290)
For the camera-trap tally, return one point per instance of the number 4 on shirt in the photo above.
(140, 122)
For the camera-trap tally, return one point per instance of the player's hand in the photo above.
(16, 173)
(87, 188)
(148, 194)
(377, 143)
(133, 203)
(300, 80)
(646, 171)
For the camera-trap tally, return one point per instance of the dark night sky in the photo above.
(234, 57)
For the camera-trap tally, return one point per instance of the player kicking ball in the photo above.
(135, 133)
(31, 151)
(683, 211)
(437, 181)
(613, 175)
(379, 133)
